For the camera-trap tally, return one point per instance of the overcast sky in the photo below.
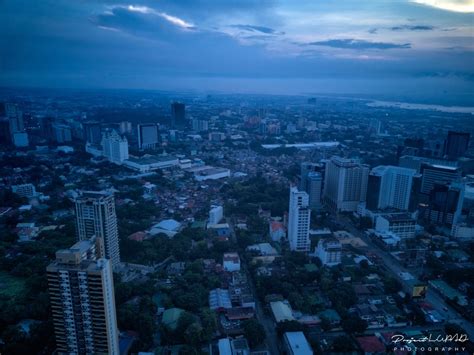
(359, 46)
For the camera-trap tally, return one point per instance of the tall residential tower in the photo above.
(81, 291)
(95, 216)
(299, 216)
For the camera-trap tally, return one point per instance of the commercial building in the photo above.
(24, 190)
(345, 184)
(402, 225)
(314, 183)
(151, 162)
(457, 143)
(92, 132)
(200, 125)
(95, 216)
(445, 204)
(178, 115)
(81, 292)
(329, 251)
(147, 135)
(389, 187)
(296, 344)
(114, 147)
(62, 133)
(15, 117)
(212, 174)
(433, 173)
(277, 231)
(415, 162)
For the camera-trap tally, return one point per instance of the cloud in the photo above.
(373, 30)
(466, 6)
(261, 29)
(142, 21)
(412, 28)
(358, 44)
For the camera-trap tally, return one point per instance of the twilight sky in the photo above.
(400, 47)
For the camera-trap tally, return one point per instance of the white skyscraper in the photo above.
(115, 147)
(345, 184)
(95, 216)
(81, 292)
(299, 216)
(389, 187)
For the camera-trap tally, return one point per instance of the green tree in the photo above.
(354, 324)
(254, 332)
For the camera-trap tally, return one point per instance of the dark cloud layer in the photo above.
(262, 29)
(357, 44)
(413, 28)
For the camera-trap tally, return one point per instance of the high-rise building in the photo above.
(15, 116)
(445, 203)
(456, 144)
(95, 216)
(115, 147)
(178, 115)
(433, 173)
(345, 184)
(125, 127)
(305, 168)
(200, 125)
(62, 133)
(314, 183)
(299, 216)
(20, 139)
(46, 127)
(389, 187)
(5, 138)
(81, 291)
(147, 135)
(414, 162)
(92, 132)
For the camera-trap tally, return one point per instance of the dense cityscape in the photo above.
(178, 223)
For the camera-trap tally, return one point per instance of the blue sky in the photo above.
(364, 46)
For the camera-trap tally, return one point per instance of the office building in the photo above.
(314, 183)
(81, 291)
(62, 133)
(413, 162)
(305, 169)
(95, 216)
(445, 204)
(125, 127)
(114, 147)
(345, 184)
(178, 115)
(389, 187)
(437, 174)
(457, 143)
(5, 138)
(200, 125)
(46, 127)
(24, 190)
(147, 135)
(15, 116)
(92, 132)
(329, 251)
(402, 225)
(299, 216)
